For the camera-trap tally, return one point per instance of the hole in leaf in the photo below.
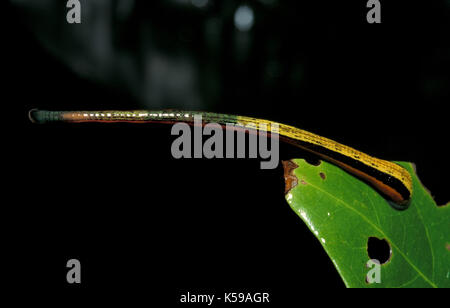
(322, 175)
(379, 250)
(313, 161)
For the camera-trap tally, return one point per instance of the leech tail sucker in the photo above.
(390, 179)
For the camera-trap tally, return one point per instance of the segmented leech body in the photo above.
(389, 178)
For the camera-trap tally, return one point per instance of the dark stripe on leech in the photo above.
(363, 171)
(327, 154)
(371, 171)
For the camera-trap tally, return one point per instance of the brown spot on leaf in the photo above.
(303, 182)
(290, 180)
(447, 245)
(322, 175)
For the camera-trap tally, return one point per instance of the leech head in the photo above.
(34, 116)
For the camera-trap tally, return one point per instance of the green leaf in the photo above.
(343, 212)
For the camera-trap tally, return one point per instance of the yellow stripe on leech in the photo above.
(298, 134)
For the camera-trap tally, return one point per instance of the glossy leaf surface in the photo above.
(344, 212)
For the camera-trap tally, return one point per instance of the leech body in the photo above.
(387, 177)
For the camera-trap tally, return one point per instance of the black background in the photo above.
(144, 224)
